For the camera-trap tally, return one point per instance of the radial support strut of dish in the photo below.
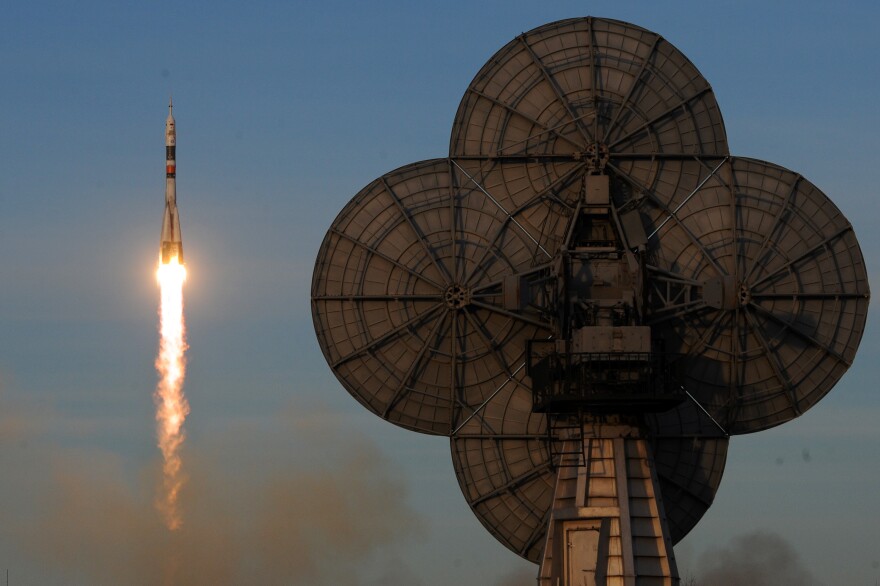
(433, 280)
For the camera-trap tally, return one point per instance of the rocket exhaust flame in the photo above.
(171, 404)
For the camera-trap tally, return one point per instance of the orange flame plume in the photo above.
(171, 405)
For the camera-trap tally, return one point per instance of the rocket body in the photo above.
(172, 244)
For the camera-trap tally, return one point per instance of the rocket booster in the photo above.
(172, 244)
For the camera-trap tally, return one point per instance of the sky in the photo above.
(284, 111)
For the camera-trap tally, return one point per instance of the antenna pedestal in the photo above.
(607, 525)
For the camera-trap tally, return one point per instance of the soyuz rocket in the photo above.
(172, 244)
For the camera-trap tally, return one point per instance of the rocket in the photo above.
(172, 244)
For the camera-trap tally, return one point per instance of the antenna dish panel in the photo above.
(407, 293)
(572, 86)
(758, 282)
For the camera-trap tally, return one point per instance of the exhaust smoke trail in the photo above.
(171, 404)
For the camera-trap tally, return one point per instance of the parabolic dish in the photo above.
(758, 283)
(407, 288)
(569, 87)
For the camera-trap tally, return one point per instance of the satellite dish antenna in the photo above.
(589, 296)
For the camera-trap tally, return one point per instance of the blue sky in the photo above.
(284, 111)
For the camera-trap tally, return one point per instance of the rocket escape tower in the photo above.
(589, 296)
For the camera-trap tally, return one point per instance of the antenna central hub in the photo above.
(745, 296)
(596, 156)
(457, 296)
(725, 293)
